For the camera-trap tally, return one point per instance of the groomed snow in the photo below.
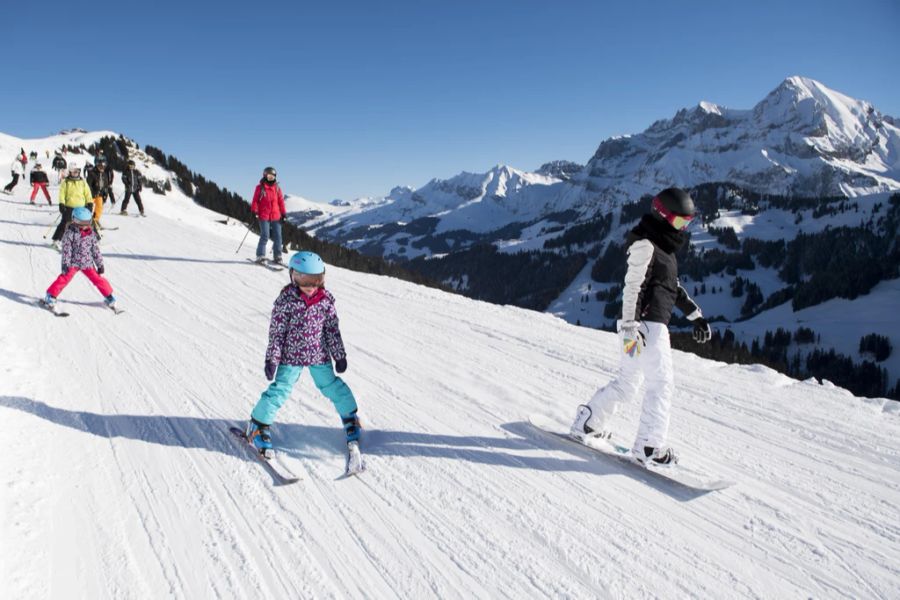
(119, 480)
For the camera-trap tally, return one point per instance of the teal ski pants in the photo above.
(332, 386)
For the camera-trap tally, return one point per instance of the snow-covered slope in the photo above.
(119, 479)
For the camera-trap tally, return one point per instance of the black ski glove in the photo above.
(340, 365)
(65, 269)
(282, 218)
(702, 330)
(62, 209)
(100, 270)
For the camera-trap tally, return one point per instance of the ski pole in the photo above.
(242, 241)
(58, 217)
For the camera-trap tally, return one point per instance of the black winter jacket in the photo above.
(132, 180)
(98, 183)
(651, 282)
(38, 177)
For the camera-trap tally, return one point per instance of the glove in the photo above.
(62, 209)
(702, 330)
(633, 340)
(340, 365)
(282, 218)
(100, 270)
(271, 367)
(65, 269)
(89, 206)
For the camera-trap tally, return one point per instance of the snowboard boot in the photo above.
(351, 427)
(260, 435)
(582, 430)
(655, 456)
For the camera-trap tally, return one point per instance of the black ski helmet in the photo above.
(270, 171)
(673, 204)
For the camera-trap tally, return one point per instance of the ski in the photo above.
(279, 473)
(109, 229)
(677, 473)
(115, 310)
(56, 312)
(267, 265)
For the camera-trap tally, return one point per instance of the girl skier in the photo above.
(80, 252)
(651, 290)
(268, 206)
(304, 333)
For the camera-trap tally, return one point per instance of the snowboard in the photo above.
(280, 474)
(677, 473)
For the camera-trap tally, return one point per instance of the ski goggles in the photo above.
(306, 280)
(677, 221)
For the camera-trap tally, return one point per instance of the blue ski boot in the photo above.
(260, 436)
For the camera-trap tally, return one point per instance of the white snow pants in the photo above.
(653, 365)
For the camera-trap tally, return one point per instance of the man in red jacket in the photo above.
(268, 207)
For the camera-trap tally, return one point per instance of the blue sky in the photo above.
(349, 99)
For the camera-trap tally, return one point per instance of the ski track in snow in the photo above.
(122, 480)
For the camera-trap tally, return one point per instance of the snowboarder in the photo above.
(73, 193)
(17, 169)
(80, 252)
(98, 180)
(268, 206)
(131, 177)
(59, 165)
(304, 333)
(39, 182)
(651, 291)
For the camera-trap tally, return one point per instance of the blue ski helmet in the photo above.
(82, 215)
(308, 263)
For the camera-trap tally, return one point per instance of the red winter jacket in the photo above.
(268, 202)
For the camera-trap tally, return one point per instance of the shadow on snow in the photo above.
(309, 442)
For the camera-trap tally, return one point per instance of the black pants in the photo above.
(12, 184)
(137, 198)
(61, 229)
(110, 195)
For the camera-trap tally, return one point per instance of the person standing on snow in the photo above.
(59, 165)
(73, 193)
(17, 169)
(268, 206)
(651, 291)
(110, 177)
(80, 252)
(304, 332)
(131, 177)
(99, 184)
(39, 181)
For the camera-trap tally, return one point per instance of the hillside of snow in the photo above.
(120, 480)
